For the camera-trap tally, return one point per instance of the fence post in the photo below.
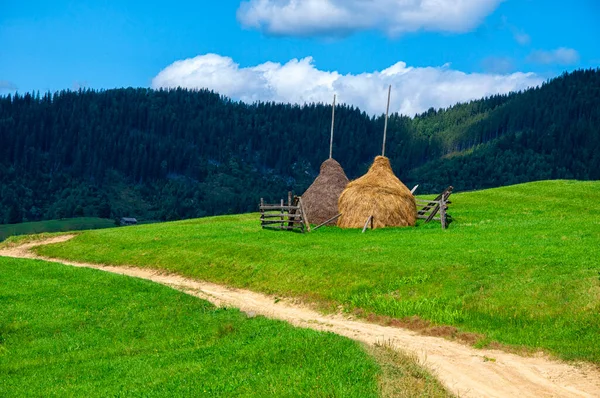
(304, 219)
(369, 220)
(443, 212)
(262, 212)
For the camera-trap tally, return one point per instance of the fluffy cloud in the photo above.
(299, 81)
(560, 56)
(342, 17)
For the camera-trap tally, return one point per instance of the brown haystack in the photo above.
(320, 200)
(378, 193)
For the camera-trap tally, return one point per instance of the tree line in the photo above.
(173, 154)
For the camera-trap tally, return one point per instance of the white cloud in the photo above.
(560, 56)
(342, 17)
(299, 81)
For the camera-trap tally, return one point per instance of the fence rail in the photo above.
(282, 216)
(428, 209)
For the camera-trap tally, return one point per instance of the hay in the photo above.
(381, 194)
(320, 200)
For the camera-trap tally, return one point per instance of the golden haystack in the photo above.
(320, 200)
(380, 194)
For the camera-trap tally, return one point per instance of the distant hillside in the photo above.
(180, 154)
(552, 132)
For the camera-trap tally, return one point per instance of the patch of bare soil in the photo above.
(464, 370)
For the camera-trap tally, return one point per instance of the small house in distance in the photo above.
(128, 221)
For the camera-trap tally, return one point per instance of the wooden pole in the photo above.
(327, 222)
(262, 212)
(332, 124)
(443, 213)
(369, 220)
(386, 120)
(306, 223)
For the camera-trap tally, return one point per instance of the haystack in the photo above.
(320, 200)
(380, 194)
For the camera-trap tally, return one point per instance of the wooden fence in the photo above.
(428, 209)
(290, 216)
(282, 216)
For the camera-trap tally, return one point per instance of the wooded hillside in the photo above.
(180, 154)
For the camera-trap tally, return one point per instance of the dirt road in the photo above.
(466, 371)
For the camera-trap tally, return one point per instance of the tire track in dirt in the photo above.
(465, 371)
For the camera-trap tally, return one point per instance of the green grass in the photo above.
(77, 332)
(70, 224)
(518, 265)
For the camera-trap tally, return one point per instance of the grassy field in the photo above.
(518, 266)
(79, 332)
(70, 224)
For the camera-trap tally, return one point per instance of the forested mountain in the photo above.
(179, 153)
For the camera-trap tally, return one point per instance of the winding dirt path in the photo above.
(465, 371)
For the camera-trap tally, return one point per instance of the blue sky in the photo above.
(488, 46)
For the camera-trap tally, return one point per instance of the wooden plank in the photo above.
(279, 222)
(303, 214)
(370, 219)
(279, 226)
(433, 206)
(290, 201)
(260, 205)
(433, 213)
(285, 220)
(296, 202)
(327, 222)
(278, 215)
(443, 212)
(297, 216)
(278, 207)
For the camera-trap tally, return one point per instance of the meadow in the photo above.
(70, 224)
(78, 332)
(518, 266)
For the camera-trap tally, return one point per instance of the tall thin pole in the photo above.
(332, 124)
(386, 120)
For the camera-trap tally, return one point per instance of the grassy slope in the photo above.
(70, 224)
(519, 264)
(78, 332)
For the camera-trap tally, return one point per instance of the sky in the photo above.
(434, 53)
